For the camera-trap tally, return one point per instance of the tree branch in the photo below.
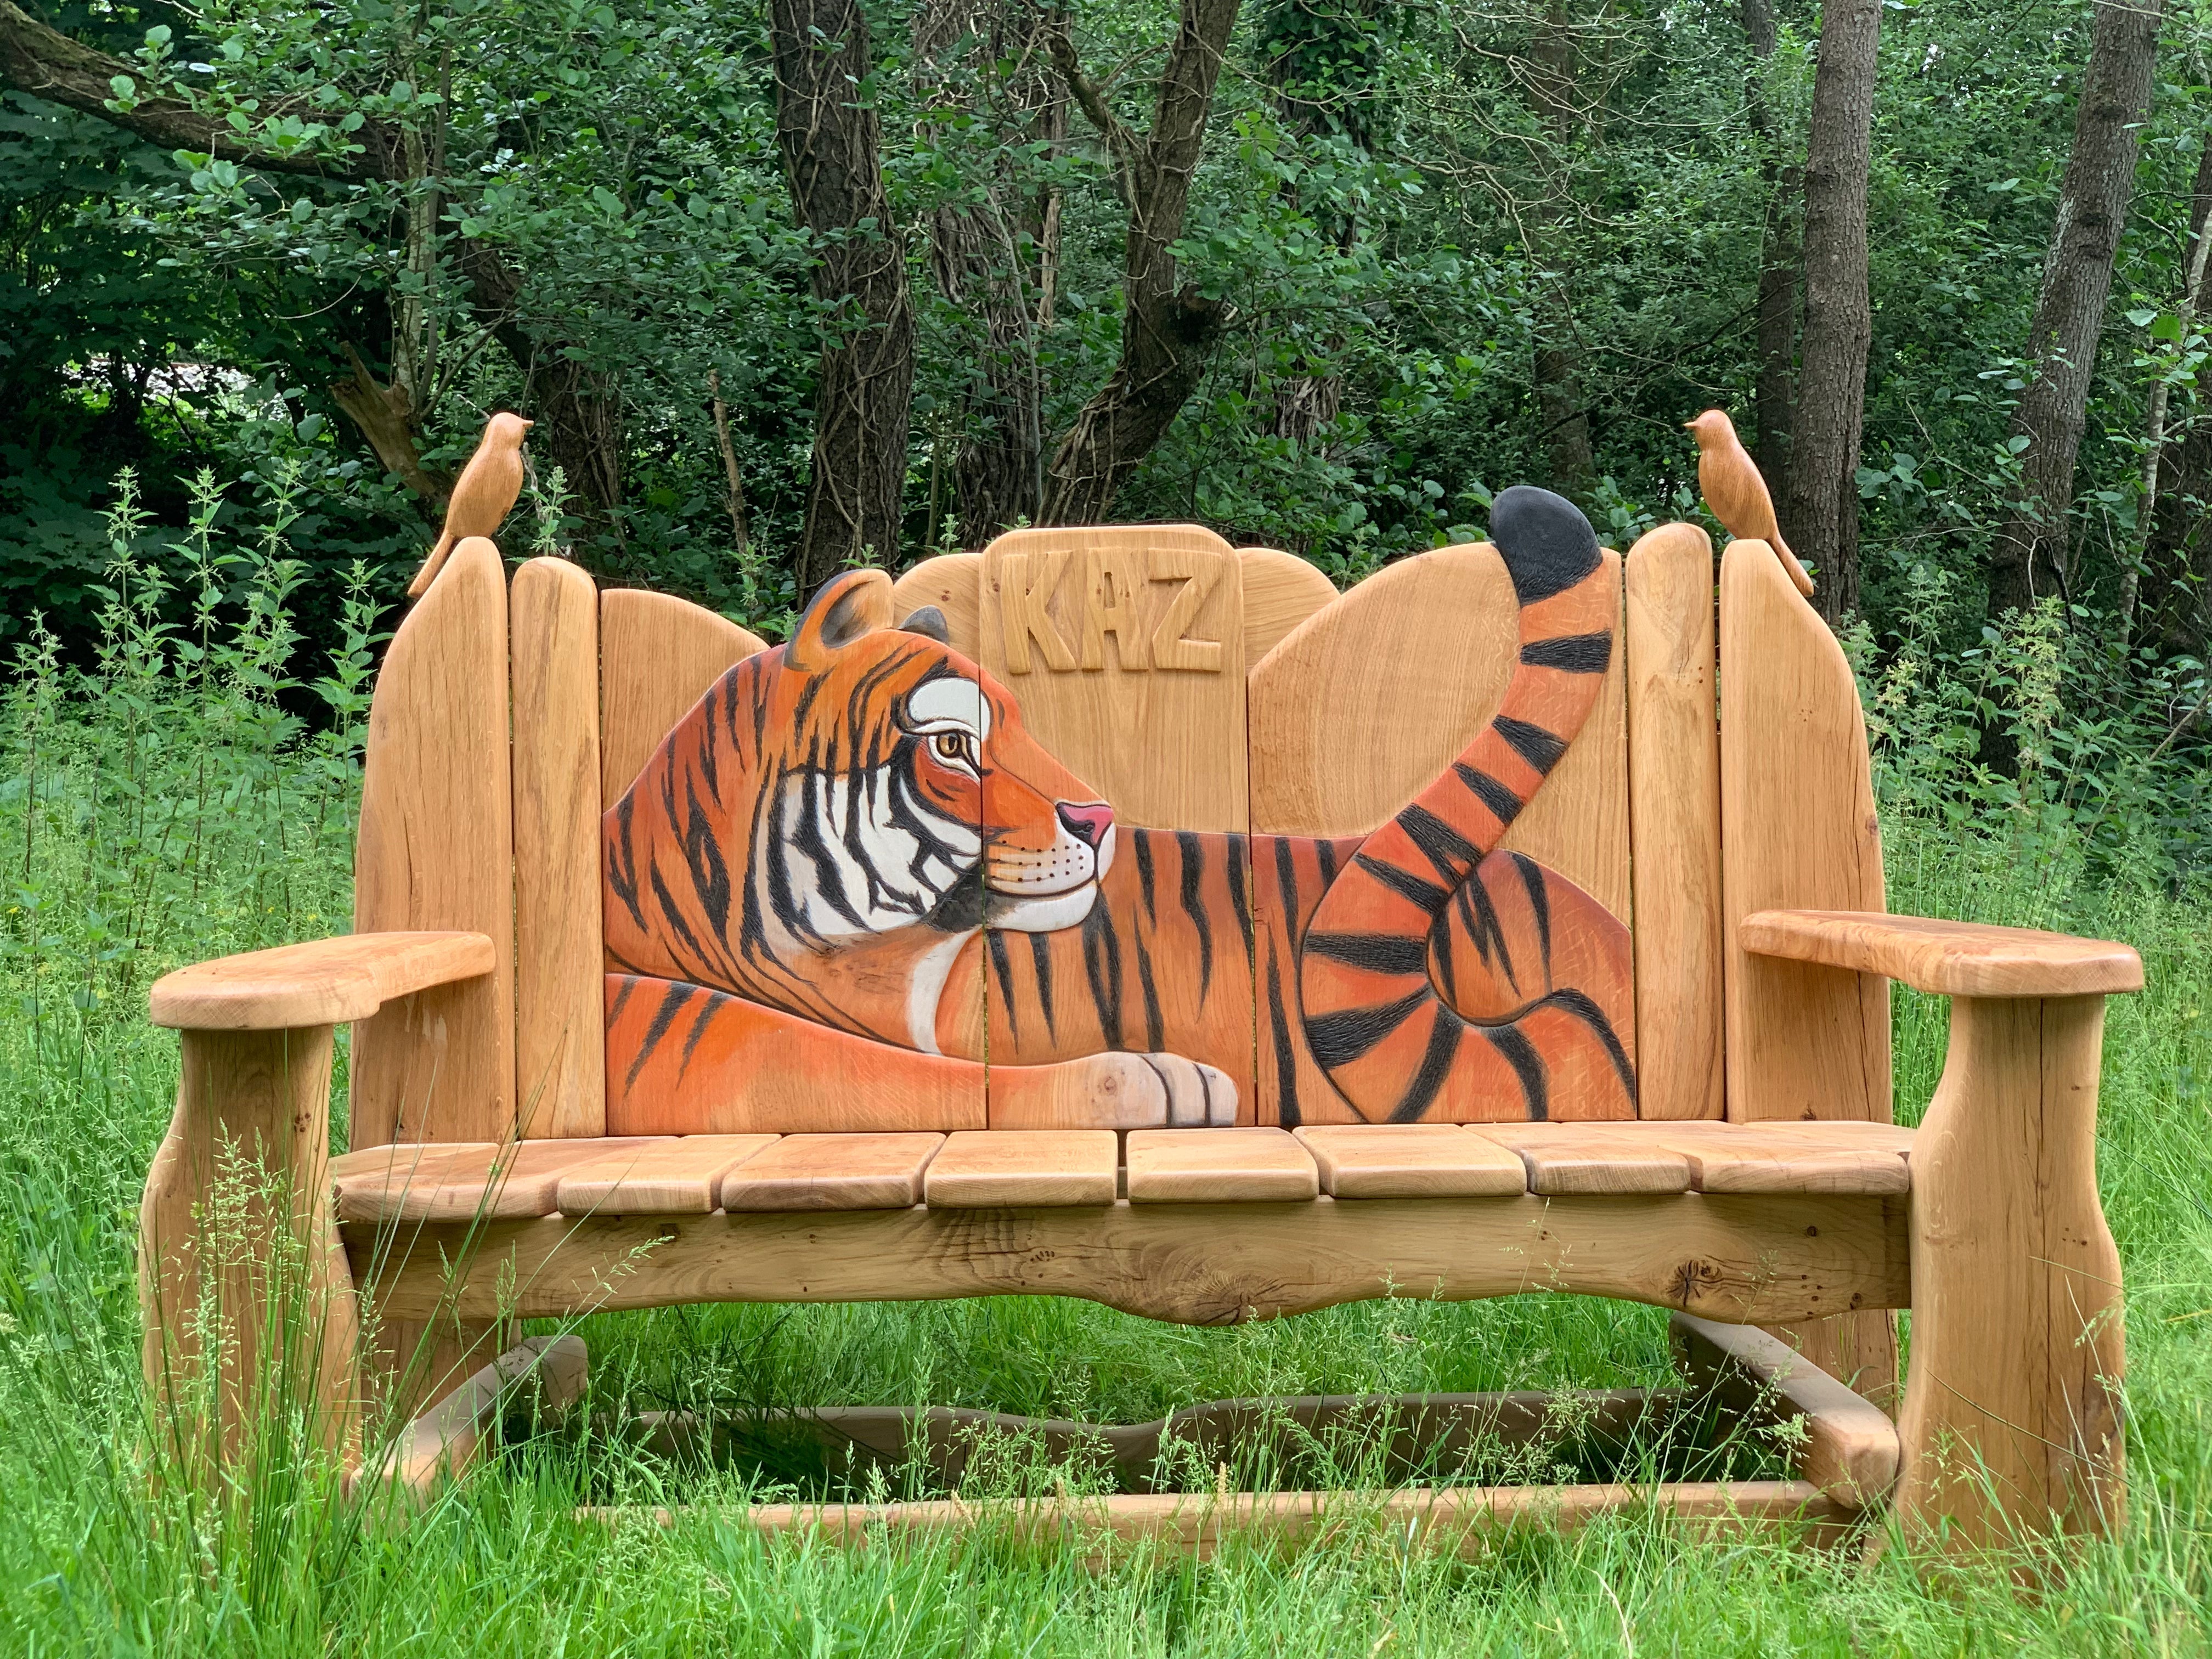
(1122, 145)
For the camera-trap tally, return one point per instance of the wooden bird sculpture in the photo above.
(483, 496)
(1728, 480)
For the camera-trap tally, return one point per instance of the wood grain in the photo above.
(559, 1074)
(658, 655)
(436, 852)
(2012, 1407)
(953, 582)
(324, 982)
(506, 1183)
(1797, 831)
(1850, 1450)
(1054, 597)
(1281, 590)
(1410, 1160)
(833, 1172)
(1950, 959)
(1790, 1157)
(1675, 809)
(444, 1440)
(1201, 1166)
(1589, 1159)
(1765, 1259)
(661, 1177)
(1366, 703)
(983, 1168)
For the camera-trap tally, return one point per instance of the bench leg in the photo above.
(2012, 1411)
(246, 1299)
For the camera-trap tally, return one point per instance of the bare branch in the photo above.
(1123, 144)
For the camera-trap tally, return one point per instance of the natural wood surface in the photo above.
(436, 850)
(483, 496)
(1203, 1166)
(658, 655)
(985, 1169)
(442, 1443)
(1410, 1160)
(1767, 1259)
(559, 1076)
(1951, 959)
(1675, 809)
(1281, 590)
(1465, 1521)
(1850, 1450)
(661, 1177)
(1790, 1157)
(953, 582)
(833, 1172)
(1797, 831)
(2012, 1406)
(500, 1182)
(1366, 703)
(240, 1269)
(1730, 483)
(324, 982)
(1111, 638)
(1588, 1159)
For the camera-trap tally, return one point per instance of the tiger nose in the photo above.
(1088, 824)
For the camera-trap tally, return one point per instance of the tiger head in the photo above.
(851, 784)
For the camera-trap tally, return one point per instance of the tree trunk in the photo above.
(1167, 331)
(1774, 401)
(831, 144)
(2176, 485)
(1822, 504)
(2028, 559)
(1552, 89)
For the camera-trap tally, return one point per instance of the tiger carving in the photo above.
(851, 890)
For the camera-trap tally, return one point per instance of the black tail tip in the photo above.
(1547, 543)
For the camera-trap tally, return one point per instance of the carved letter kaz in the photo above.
(851, 868)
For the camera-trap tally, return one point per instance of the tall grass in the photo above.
(192, 792)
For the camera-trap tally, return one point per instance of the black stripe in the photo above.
(1339, 1039)
(1378, 953)
(1144, 849)
(1436, 1065)
(1155, 1037)
(1572, 653)
(1287, 885)
(1482, 927)
(1286, 1057)
(622, 861)
(671, 1004)
(1585, 1008)
(1410, 887)
(675, 919)
(994, 943)
(1504, 805)
(1238, 900)
(805, 704)
(1541, 749)
(1521, 1054)
(622, 998)
(1193, 853)
(698, 1029)
(1539, 900)
(1325, 855)
(1445, 971)
(1102, 962)
(1041, 958)
(1450, 852)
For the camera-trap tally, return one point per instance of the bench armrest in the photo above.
(1951, 959)
(327, 982)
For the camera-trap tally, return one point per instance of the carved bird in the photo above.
(1728, 480)
(483, 496)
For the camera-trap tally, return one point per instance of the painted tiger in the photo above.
(849, 883)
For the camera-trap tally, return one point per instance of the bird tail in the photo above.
(432, 565)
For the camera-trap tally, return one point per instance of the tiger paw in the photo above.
(1113, 1091)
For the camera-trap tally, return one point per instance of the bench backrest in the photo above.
(1234, 690)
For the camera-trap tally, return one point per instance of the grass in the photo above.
(192, 815)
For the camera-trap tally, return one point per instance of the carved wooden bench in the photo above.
(1116, 914)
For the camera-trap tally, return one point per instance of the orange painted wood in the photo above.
(507, 1182)
(558, 1015)
(1674, 809)
(995, 1167)
(1116, 1091)
(661, 1177)
(1729, 480)
(1950, 959)
(1210, 1166)
(1798, 832)
(833, 1172)
(658, 655)
(436, 852)
(1281, 590)
(1592, 1158)
(1410, 1160)
(324, 982)
(953, 583)
(1110, 637)
(483, 496)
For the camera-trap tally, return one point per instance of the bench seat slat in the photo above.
(1410, 1160)
(833, 1172)
(1589, 1158)
(1213, 1166)
(980, 1169)
(670, 1177)
(511, 1182)
(1792, 1158)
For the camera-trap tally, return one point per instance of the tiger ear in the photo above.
(857, 603)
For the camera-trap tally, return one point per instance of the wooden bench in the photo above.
(1118, 915)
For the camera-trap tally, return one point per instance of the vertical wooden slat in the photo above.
(1674, 809)
(657, 658)
(436, 850)
(559, 1073)
(1281, 590)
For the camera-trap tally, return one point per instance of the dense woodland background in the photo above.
(790, 286)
